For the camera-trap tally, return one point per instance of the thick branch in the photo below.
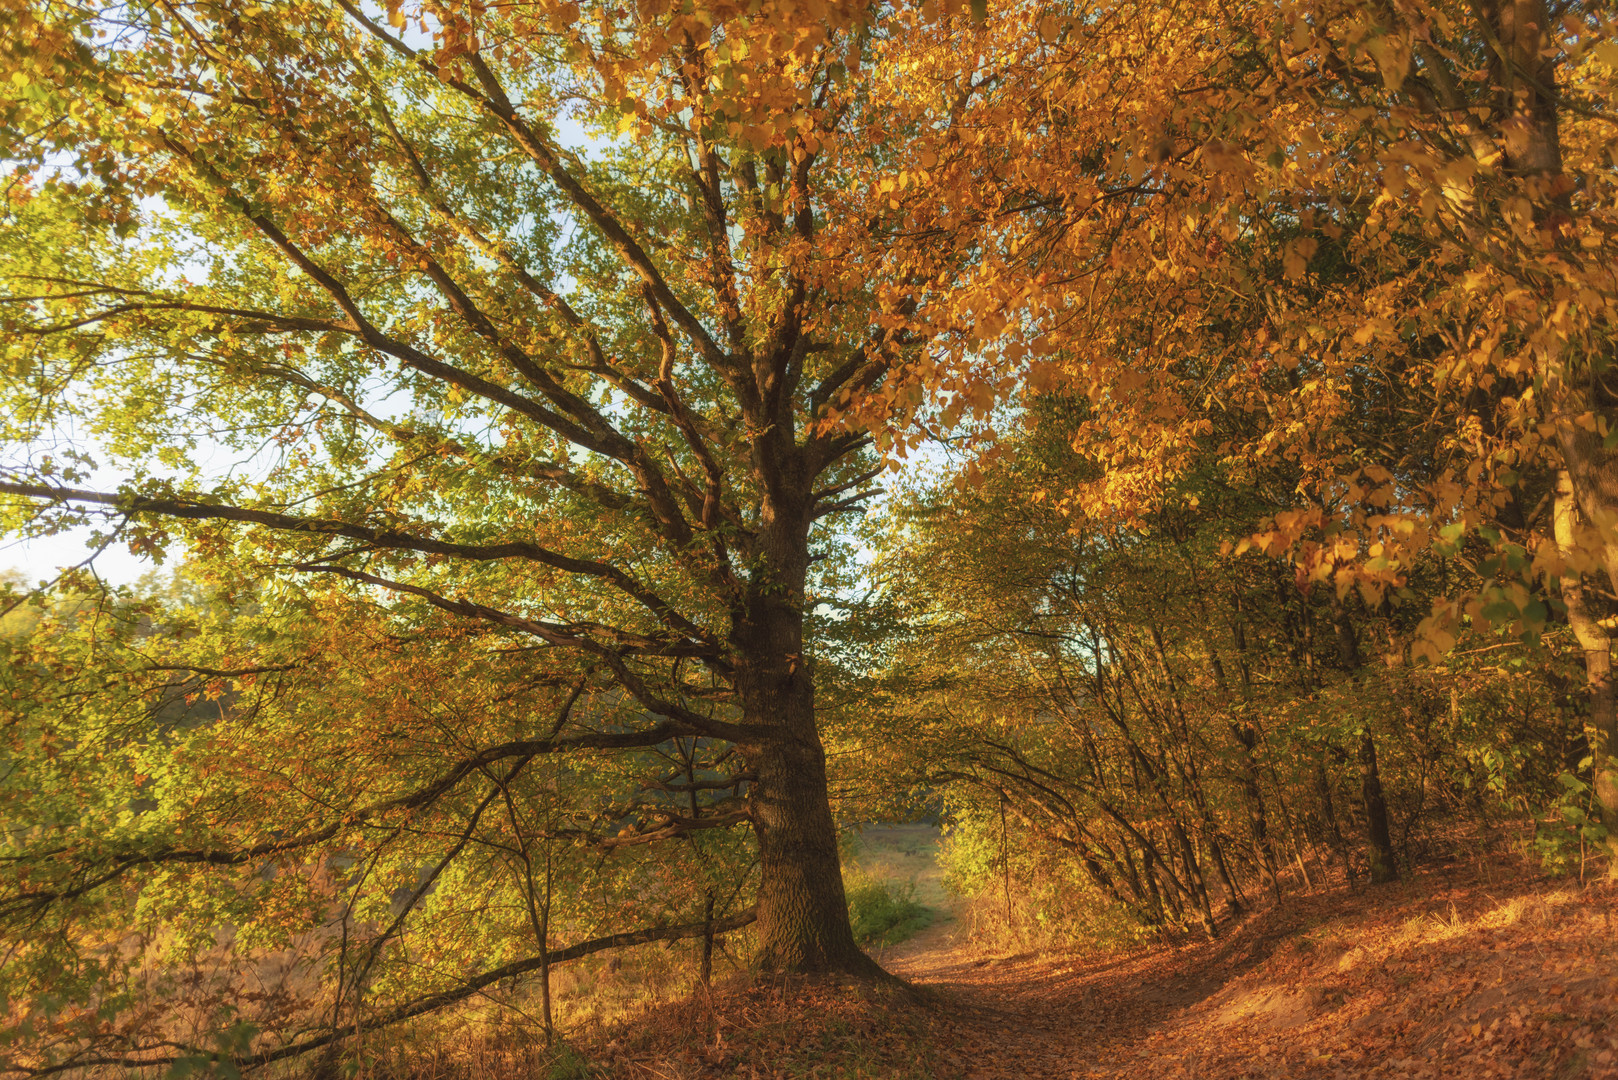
(566, 637)
(383, 539)
(415, 800)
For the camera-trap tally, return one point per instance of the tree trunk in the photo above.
(1149, 874)
(1258, 819)
(803, 921)
(802, 912)
(1193, 876)
(705, 972)
(1378, 836)
(1378, 840)
(1601, 724)
(1328, 816)
(1247, 738)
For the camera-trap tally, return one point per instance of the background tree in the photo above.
(1174, 732)
(1301, 215)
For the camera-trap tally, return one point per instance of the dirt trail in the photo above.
(1464, 972)
(1003, 1005)
(1467, 971)
(1035, 1015)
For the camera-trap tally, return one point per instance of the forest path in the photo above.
(1455, 972)
(1461, 971)
(1023, 1014)
(1038, 1015)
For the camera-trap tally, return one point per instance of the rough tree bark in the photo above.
(803, 914)
(803, 920)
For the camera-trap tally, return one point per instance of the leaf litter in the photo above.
(1480, 970)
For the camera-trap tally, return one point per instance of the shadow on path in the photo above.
(1403, 980)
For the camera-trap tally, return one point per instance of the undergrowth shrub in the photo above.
(1044, 902)
(883, 913)
(1573, 835)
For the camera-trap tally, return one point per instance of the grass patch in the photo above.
(568, 1064)
(883, 913)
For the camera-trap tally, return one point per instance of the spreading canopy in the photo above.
(513, 339)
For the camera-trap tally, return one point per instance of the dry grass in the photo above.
(903, 855)
(607, 988)
(1465, 969)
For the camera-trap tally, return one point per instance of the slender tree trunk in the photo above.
(1149, 873)
(1328, 816)
(1258, 819)
(1193, 877)
(1378, 841)
(705, 973)
(1601, 723)
(1142, 884)
(1192, 780)
(1108, 880)
(1234, 900)
(543, 930)
(1378, 836)
(1210, 833)
(1246, 735)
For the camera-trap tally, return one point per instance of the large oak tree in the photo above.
(531, 321)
